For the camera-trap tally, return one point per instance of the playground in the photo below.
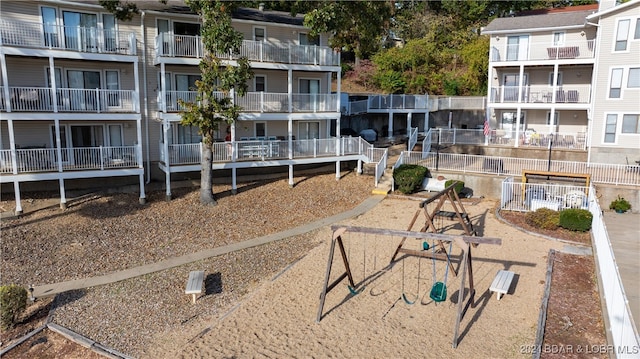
(390, 310)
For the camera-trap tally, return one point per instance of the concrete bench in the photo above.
(501, 282)
(194, 284)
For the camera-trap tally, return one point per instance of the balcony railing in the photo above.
(169, 45)
(557, 140)
(383, 102)
(264, 102)
(264, 149)
(73, 159)
(536, 51)
(40, 99)
(542, 94)
(72, 38)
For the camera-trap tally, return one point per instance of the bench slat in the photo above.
(194, 283)
(502, 282)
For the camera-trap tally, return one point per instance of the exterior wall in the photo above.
(627, 144)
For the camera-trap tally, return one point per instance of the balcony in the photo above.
(69, 38)
(571, 94)
(73, 159)
(186, 46)
(401, 102)
(540, 51)
(265, 102)
(41, 99)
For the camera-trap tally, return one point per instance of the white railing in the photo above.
(583, 49)
(264, 149)
(524, 197)
(426, 142)
(623, 331)
(381, 165)
(510, 166)
(385, 102)
(263, 102)
(413, 138)
(72, 38)
(315, 103)
(541, 94)
(77, 158)
(39, 99)
(257, 51)
(173, 99)
(529, 138)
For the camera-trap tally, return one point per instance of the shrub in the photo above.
(575, 219)
(458, 187)
(543, 218)
(408, 178)
(13, 301)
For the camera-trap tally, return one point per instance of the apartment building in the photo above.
(86, 96)
(567, 76)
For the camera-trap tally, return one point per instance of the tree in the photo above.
(219, 83)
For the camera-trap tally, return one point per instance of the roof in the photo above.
(615, 8)
(542, 19)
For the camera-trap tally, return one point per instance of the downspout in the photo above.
(594, 76)
(145, 101)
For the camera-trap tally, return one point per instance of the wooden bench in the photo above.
(502, 282)
(194, 283)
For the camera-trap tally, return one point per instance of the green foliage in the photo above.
(390, 81)
(13, 301)
(575, 219)
(408, 178)
(457, 188)
(620, 204)
(543, 218)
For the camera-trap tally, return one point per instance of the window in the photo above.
(80, 31)
(110, 36)
(308, 130)
(636, 36)
(558, 38)
(555, 121)
(517, 48)
(113, 85)
(559, 82)
(622, 34)
(260, 83)
(634, 78)
(616, 83)
(261, 129)
(188, 134)
(50, 27)
(630, 124)
(186, 28)
(306, 39)
(610, 129)
(186, 82)
(259, 34)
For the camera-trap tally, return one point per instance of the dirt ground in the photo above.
(574, 317)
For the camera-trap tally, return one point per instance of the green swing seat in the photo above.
(438, 292)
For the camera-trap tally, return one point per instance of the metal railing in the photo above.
(621, 324)
(381, 165)
(600, 172)
(413, 138)
(189, 46)
(72, 159)
(385, 102)
(72, 38)
(264, 149)
(524, 197)
(541, 94)
(529, 138)
(426, 142)
(457, 103)
(583, 49)
(40, 99)
(263, 102)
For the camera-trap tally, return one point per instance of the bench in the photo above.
(502, 282)
(194, 283)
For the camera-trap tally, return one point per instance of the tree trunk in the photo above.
(206, 181)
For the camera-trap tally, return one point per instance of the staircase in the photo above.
(384, 185)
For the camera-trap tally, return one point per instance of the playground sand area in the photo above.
(278, 318)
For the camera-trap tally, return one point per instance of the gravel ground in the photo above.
(105, 233)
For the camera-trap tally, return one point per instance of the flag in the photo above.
(487, 129)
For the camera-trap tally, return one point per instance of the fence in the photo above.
(77, 158)
(509, 166)
(524, 197)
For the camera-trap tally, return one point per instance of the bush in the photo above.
(620, 204)
(13, 301)
(408, 178)
(543, 218)
(575, 219)
(458, 187)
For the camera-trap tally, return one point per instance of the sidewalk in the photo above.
(55, 288)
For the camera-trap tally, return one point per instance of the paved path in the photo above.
(624, 234)
(55, 288)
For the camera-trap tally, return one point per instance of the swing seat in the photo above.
(438, 292)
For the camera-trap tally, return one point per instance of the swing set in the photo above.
(429, 231)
